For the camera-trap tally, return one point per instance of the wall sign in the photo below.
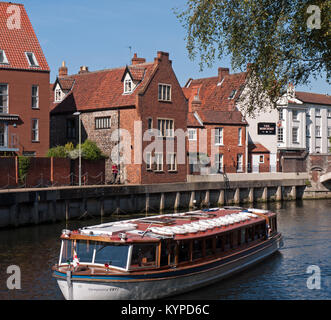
(266, 128)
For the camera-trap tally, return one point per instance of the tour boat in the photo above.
(164, 255)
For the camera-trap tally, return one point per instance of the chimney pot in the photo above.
(136, 60)
(63, 70)
(83, 69)
(222, 72)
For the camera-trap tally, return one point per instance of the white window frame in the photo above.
(240, 164)
(172, 161)
(329, 113)
(5, 60)
(102, 123)
(240, 136)
(158, 163)
(35, 130)
(5, 108)
(164, 92)
(128, 86)
(166, 128)
(281, 114)
(280, 133)
(4, 133)
(295, 115)
(35, 61)
(192, 134)
(36, 97)
(219, 162)
(219, 132)
(149, 162)
(58, 95)
(295, 135)
(317, 112)
(318, 131)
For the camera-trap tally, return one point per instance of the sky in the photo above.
(106, 33)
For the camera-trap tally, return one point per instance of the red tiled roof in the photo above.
(222, 117)
(192, 120)
(313, 97)
(101, 89)
(257, 148)
(15, 42)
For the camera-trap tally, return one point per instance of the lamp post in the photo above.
(80, 148)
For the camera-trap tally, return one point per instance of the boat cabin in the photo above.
(167, 241)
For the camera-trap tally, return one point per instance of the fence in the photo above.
(49, 172)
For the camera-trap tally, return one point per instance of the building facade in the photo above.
(24, 86)
(136, 114)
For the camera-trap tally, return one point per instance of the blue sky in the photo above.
(99, 33)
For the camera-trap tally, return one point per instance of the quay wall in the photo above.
(46, 205)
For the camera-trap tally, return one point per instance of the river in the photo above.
(305, 225)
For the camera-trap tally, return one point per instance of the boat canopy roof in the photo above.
(178, 226)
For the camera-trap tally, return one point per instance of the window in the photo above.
(159, 161)
(281, 114)
(149, 161)
(219, 136)
(329, 132)
(232, 94)
(58, 95)
(318, 131)
(295, 115)
(164, 92)
(239, 137)
(127, 86)
(150, 124)
(261, 159)
(35, 97)
(3, 130)
(35, 130)
(143, 255)
(3, 98)
(239, 162)
(329, 113)
(280, 135)
(71, 129)
(172, 162)
(317, 112)
(31, 59)
(112, 255)
(192, 134)
(165, 127)
(219, 162)
(29, 153)
(3, 58)
(295, 138)
(102, 123)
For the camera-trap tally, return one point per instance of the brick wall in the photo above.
(7, 172)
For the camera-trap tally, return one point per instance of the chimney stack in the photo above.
(63, 70)
(83, 69)
(222, 72)
(136, 60)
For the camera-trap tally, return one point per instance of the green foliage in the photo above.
(90, 151)
(272, 36)
(23, 168)
(57, 152)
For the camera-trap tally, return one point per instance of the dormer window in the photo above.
(58, 95)
(128, 86)
(31, 59)
(3, 58)
(232, 94)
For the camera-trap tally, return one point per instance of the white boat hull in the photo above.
(161, 288)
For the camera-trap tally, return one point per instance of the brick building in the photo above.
(133, 113)
(24, 86)
(216, 129)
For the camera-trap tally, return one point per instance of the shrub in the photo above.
(57, 152)
(23, 168)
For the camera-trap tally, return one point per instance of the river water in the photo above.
(305, 225)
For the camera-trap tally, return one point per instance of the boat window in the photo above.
(143, 255)
(219, 244)
(66, 251)
(197, 249)
(164, 253)
(184, 251)
(84, 250)
(209, 247)
(113, 255)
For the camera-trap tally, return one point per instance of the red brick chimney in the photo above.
(136, 60)
(222, 72)
(162, 56)
(63, 70)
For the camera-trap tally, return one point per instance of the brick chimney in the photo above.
(222, 72)
(83, 69)
(63, 70)
(162, 56)
(136, 60)
(196, 102)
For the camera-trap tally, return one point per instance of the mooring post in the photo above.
(221, 198)
(279, 193)
(251, 195)
(192, 200)
(237, 196)
(177, 201)
(207, 196)
(265, 194)
(162, 202)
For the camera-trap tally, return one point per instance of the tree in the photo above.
(283, 41)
